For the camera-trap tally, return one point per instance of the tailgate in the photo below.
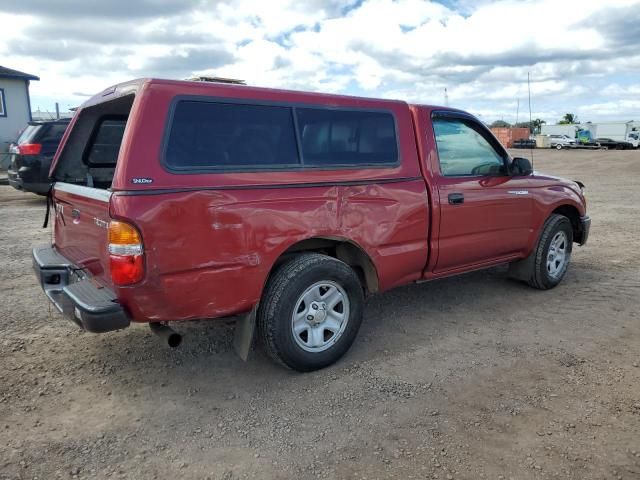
(81, 227)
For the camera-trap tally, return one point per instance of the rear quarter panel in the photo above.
(209, 253)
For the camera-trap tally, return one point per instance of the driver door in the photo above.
(485, 214)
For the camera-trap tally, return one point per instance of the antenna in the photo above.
(446, 97)
(517, 111)
(530, 121)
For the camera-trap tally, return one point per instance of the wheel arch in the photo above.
(341, 248)
(573, 214)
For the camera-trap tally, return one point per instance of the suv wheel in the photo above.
(310, 312)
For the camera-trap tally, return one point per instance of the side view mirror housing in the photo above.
(521, 167)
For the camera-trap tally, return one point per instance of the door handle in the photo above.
(456, 198)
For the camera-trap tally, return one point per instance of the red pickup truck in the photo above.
(180, 200)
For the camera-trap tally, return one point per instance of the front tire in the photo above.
(310, 312)
(552, 254)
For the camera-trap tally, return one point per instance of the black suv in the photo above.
(30, 156)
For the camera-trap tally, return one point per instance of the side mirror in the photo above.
(521, 167)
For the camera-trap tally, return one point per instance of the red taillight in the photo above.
(125, 253)
(126, 269)
(30, 148)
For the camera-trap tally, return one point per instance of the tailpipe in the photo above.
(168, 334)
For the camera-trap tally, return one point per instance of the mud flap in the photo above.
(244, 332)
(523, 269)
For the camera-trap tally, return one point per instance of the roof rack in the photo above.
(234, 81)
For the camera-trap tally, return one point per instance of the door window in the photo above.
(464, 151)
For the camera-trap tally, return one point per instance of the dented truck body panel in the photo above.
(235, 237)
(211, 239)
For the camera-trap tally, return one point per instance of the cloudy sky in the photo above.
(583, 56)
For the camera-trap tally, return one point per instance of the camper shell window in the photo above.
(90, 154)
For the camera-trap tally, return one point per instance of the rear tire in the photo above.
(552, 254)
(310, 312)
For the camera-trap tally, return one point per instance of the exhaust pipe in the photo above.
(168, 334)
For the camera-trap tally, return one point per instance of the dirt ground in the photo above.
(475, 377)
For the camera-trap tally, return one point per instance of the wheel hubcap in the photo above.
(320, 316)
(557, 256)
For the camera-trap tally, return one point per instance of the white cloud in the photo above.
(412, 49)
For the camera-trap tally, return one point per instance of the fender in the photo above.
(548, 199)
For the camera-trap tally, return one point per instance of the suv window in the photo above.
(28, 134)
(105, 145)
(464, 151)
(207, 135)
(345, 137)
(51, 136)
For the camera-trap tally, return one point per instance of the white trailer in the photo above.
(613, 130)
(568, 130)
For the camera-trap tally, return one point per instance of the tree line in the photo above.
(535, 126)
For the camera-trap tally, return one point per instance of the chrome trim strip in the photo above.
(329, 183)
(81, 190)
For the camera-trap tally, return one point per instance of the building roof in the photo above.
(10, 73)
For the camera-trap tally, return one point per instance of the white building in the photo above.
(15, 107)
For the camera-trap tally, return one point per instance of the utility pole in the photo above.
(446, 97)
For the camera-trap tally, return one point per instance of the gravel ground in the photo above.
(465, 378)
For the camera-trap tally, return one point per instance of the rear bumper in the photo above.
(17, 181)
(76, 295)
(14, 180)
(585, 223)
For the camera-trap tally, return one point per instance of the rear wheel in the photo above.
(310, 312)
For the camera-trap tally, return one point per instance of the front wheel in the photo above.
(310, 312)
(547, 265)
(558, 147)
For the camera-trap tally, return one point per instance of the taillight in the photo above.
(126, 253)
(30, 148)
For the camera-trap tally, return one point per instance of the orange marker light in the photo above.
(121, 233)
